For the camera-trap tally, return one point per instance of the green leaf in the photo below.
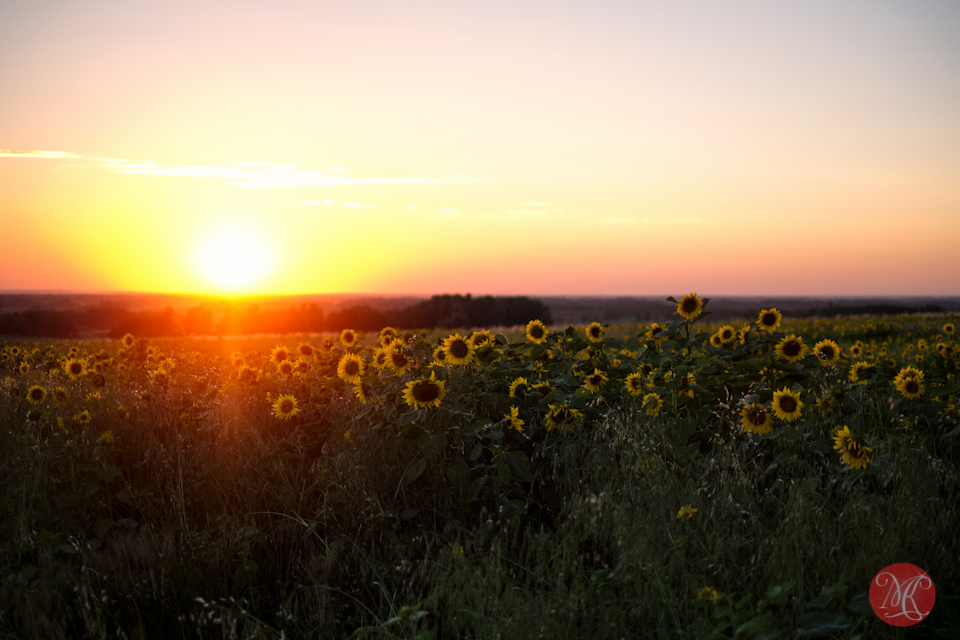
(409, 514)
(409, 417)
(822, 623)
(432, 445)
(414, 471)
(101, 527)
(860, 604)
(519, 464)
(108, 474)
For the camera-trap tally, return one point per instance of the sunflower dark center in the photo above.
(352, 368)
(36, 394)
(286, 406)
(425, 391)
(788, 404)
(791, 348)
(459, 349)
(768, 319)
(911, 385)
(757, 416)
(536, 331)
(826, 352)
(594, 332)
(595, 380)
(689, 305)
(399, 359)
(76, 368)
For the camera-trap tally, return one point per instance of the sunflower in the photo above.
(459, 349)
(652, 332)
(686, 512)
(716, 341)
(350, 368)
(536, 332)
(922, 345)
(594, 381)
(690, 306)
(515, 386)
(856, 350)
(24, 366)
(285, 368)
(743, 335)
(545, 388)
(285, 407)
(727, 334)
(302, 365)
(278, 354)
(949, 329)
(83, 417)
(305, 350)
(348, 337)
(787, 405)
(853, 453)
(514, 418)
(652, 403)
(707, 593)
(75, 369)
(910, 386)
(859, 371)
(397, 359)
(595, 332)
(380, 358)
(825, 403)
(634, 384)
(769, 319)
(685, 382)
(480, 338)
(791, 348)
(362, 390)
(248, 375)
(425, 392)
(827, 351)
(562, 416)
(60, 395)
(439, 355)
(755, 419)
(36, 394)
(387, 334)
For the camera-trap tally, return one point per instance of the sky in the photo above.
(504, 147)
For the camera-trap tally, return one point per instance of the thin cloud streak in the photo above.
(634, 221)
(251, 175)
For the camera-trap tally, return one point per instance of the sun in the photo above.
(233, 259)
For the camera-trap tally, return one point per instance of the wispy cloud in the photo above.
(35, 154)
(634, 221)
(253, 175)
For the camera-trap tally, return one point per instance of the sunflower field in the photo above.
(683, 479)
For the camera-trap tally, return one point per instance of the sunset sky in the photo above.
(501, 147)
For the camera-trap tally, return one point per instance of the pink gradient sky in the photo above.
(499, 147)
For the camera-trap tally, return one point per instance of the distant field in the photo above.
(678, 477)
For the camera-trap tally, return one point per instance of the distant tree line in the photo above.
(871, 309)
(446, 311)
